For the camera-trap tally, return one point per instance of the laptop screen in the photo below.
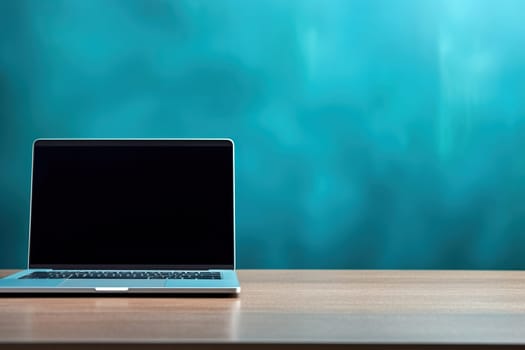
(132, 204)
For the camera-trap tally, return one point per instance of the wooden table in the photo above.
(288, 308)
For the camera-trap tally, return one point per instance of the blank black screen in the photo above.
(131, 203)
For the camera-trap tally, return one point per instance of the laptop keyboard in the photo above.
(191, 275)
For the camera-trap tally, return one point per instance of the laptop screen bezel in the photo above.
(63, 142)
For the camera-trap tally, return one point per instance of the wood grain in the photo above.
(291, 307)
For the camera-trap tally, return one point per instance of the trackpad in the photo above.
(97, 283)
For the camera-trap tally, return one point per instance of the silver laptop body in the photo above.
(130, 216)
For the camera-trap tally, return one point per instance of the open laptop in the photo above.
(130, 216)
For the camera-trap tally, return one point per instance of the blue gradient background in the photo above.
(369, 133)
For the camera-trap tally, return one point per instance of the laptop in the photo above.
(130, 216)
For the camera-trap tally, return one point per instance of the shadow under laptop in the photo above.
(19, 295)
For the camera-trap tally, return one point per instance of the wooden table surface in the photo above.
(289, 308)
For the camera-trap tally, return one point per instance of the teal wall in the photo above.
(370, 133)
